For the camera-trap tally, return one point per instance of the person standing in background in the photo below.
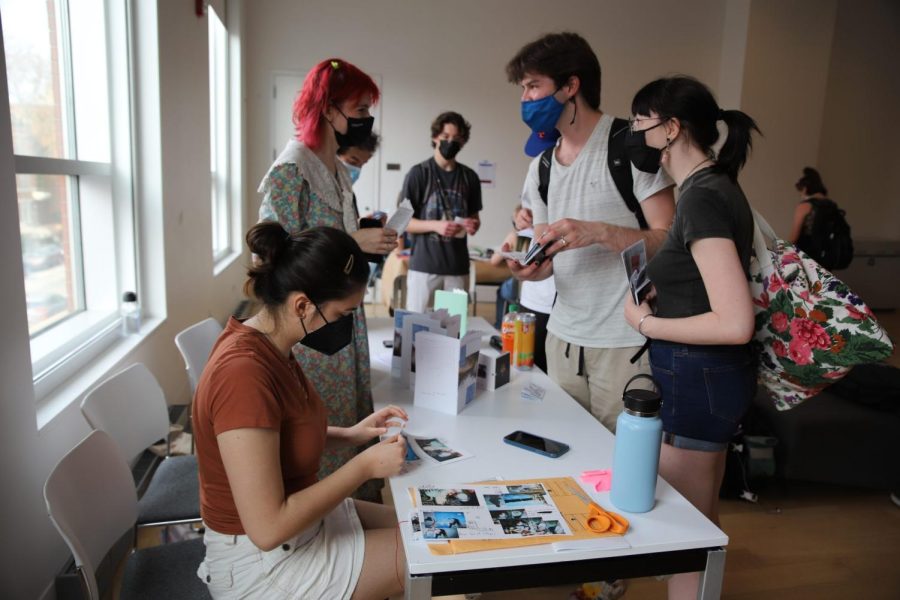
(446, 197)
(356, 156)
(307, 186)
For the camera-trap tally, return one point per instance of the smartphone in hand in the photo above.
(536, 443)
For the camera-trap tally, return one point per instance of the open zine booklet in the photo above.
(432, 358)
(485, 512)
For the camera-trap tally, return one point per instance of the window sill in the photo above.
(74, 388)
(225, 262)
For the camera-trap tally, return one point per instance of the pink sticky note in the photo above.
(600, 480)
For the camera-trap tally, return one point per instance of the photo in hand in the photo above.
(634, 257)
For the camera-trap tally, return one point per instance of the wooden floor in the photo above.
(800, 541)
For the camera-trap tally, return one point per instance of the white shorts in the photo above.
(420, 288)
(322, 562)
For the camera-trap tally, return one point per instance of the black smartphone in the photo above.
(535, 254)
(536, 443)
(367, 223)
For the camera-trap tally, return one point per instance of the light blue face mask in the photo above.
(353, 170)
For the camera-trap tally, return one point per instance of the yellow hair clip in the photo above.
(335, 64)
(349, 266)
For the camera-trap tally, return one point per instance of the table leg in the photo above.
(418, 587)
(711, 578)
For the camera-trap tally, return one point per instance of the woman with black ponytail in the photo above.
(699, 355)
(273, 530)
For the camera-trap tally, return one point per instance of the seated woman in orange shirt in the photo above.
(272, 529)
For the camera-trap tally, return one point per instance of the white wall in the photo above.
(785, 75)
(858, 156)
(436, 56)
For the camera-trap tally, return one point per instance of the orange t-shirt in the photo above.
(248, 383)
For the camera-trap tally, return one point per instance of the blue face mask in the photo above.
(542, 115)
(354, 171)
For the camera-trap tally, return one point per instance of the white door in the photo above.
(285, 86)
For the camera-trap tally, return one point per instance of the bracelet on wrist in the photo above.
(641, 323)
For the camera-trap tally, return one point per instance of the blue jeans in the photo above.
(705, 392)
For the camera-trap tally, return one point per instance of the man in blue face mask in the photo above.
(446, 198)
(581, 215)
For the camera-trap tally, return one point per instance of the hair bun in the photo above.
(267, 240)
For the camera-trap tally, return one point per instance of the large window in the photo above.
(225, 131)
(68, 96)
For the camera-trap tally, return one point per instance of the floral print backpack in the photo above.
(810, 328)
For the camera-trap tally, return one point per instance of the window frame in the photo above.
(226, 145)
(90, 331)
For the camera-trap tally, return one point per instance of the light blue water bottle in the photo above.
(636, 455)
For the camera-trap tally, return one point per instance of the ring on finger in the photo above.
(563, 241)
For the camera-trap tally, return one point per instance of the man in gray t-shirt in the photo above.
(589, 343)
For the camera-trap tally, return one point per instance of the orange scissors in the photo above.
(598, 519)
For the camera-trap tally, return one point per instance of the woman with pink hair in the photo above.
(307, 186)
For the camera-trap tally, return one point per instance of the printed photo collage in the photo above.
(487, 512)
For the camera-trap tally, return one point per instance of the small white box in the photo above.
(493, 369)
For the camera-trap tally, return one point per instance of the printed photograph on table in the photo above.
(530, 488)
(439, 533)
(437, 449)
(444, 519)
(530, 526)
(448, 497)
(505, 515)
(514, 500)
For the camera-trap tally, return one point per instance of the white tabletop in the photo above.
(673, 524)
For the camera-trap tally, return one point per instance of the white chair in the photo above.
(195, 343)
(91, 500)
(131, 407)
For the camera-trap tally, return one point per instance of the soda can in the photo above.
(525, 326)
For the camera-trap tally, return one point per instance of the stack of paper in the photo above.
(533, 391)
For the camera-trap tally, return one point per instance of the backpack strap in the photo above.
(619, 168)
(544, 173)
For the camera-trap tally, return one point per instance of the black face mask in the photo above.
(449, 149)
(358, 130)
(642, 156)
(331, 337)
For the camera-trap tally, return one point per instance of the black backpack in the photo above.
(829, 242)
(619, 167)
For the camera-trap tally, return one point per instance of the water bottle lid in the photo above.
(129, 297)
(643, 402)
(513, 308)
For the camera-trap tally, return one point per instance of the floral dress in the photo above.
(301, 193)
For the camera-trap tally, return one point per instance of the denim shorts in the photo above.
(705, 392)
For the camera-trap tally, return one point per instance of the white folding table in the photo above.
(674, 537)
